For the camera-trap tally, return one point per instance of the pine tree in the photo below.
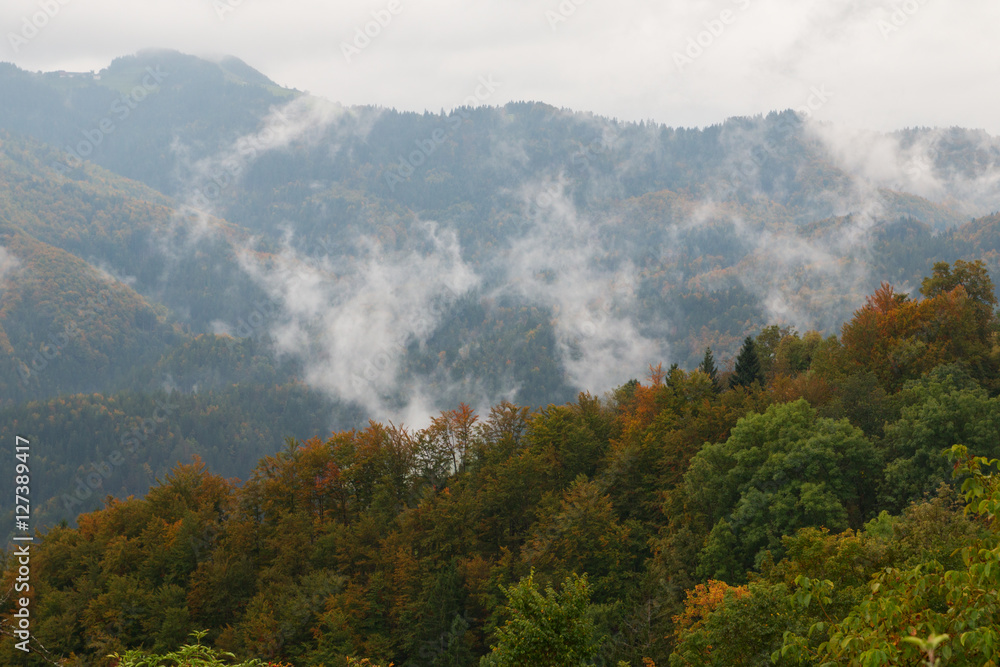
(707, 367)
(748, 368)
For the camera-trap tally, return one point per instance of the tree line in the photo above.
(830, 500)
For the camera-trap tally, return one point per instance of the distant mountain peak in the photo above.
(232, 68)
(239, 68)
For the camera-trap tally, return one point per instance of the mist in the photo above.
(8, 264)
(358, 309)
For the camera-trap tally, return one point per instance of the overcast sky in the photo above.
(879, 64)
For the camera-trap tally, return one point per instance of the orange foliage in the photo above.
(900, 339)
(702, 600)
(453, 433)
(785, 389)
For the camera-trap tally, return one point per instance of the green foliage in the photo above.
(740, 632)
(408, 545)
(188, 655)
(767, 343)
(794, 353)
(582, 535)
(860, 398)
(944, 408)
(822, 577)
(550, 629)
(972, 276)
(707, 366)
(926, 612)
(748, 366)
(719, 559)
(779, 471)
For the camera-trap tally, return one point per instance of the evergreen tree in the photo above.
(748, 368)
(707, 367)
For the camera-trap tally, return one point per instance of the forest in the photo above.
(830, 500)
(304, 392)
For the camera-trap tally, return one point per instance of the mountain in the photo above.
(128, 116)
(320, 379)
(176, 223)
(685, 519)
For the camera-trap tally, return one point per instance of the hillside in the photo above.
(228, 235)
(808, 508)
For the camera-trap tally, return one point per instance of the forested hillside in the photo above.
(698, 381)
(265, 201)
(269, 242)
(804, 508)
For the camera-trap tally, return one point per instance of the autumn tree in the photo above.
(900, 339)
(581, 534)
(448, 443)
(882, 337)
(731, 625)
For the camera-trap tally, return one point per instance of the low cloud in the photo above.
(304, 119)
(559, 262)
(8, 264)
(956, 167)
(927, 69)
(351, 320)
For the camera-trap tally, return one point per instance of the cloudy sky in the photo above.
(879, 64)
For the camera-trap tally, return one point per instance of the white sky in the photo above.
(941, 67)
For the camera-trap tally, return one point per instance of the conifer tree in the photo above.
(748, 368)
(707, 367)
